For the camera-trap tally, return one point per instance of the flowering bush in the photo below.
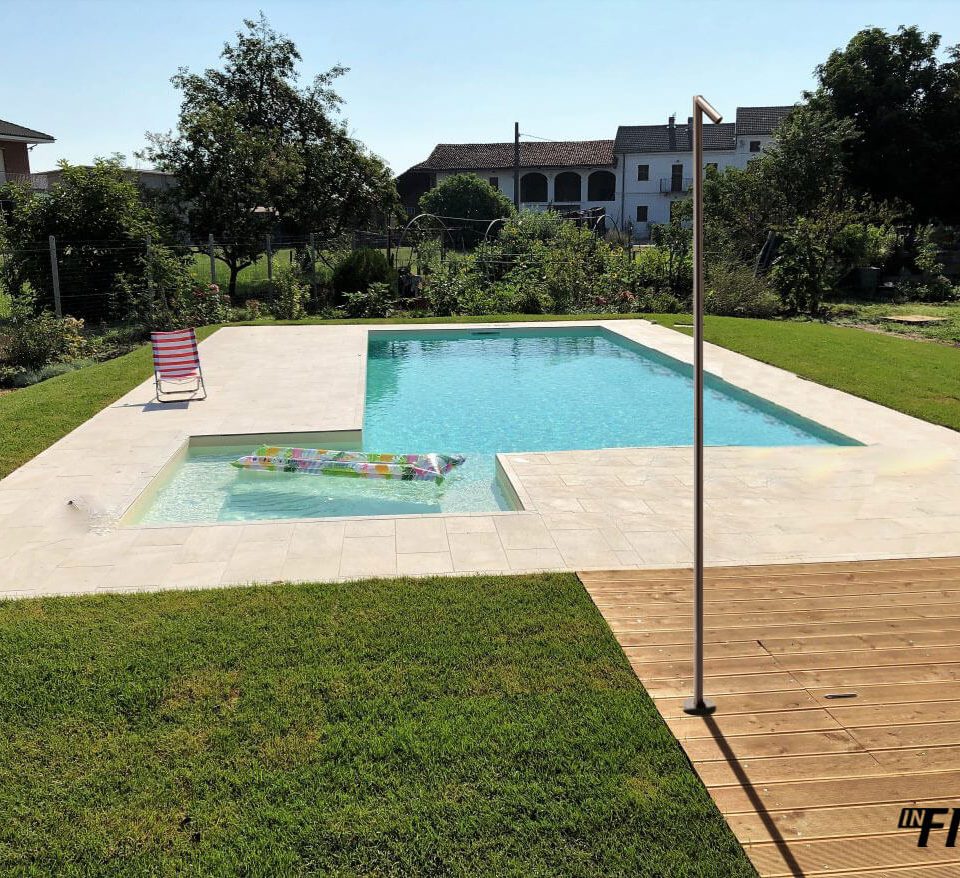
(206, 305)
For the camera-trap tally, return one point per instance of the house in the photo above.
(15, 145)
(567, 174)
(633, 179)
(148, 178)
(655, 162)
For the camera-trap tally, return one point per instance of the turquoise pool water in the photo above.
(478, 393)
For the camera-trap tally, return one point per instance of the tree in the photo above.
(467, 197)
(101, 225)
(802, 174)
(254, 149)
(905, 103)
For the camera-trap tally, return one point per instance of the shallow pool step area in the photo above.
(838, 703)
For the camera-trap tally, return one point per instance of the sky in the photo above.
(95, 74)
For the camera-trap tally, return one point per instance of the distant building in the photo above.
(149, 178)
(15, 145)
(634, 179)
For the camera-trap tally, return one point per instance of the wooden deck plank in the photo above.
(811, 785)
(687, 728)
(640, 633)
(832, 568)
(779, 743)
(886, 714)
(836, 856)
(845, 821)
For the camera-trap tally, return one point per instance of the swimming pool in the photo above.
(477, 393)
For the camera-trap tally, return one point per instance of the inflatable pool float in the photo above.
(356, 464)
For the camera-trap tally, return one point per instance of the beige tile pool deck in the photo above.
(896, 496)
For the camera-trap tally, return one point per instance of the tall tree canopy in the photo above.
(905, 102)
(255, 149)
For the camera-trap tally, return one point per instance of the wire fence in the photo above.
(98, 279)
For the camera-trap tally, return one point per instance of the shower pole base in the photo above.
(703, 707)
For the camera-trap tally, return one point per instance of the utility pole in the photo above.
(516, 165)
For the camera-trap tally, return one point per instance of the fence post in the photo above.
(213, 259)
(55, 274)
(269, 257)
(312, 247)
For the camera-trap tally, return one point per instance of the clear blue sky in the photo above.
(95, 73)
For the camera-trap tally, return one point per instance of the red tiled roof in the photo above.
(539, 154)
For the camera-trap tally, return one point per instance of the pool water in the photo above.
(478, 393)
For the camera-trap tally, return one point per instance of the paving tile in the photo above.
(477, 552)
(535, 559)
(317, 540)
(162, 536)
(419, 535)
(211, 543)
(371, 527)
(195, 574)
(368, 556)
(659, 548)
(424, 563)
(523, 532)
(317, 568)
(470, 524)
(585, 548)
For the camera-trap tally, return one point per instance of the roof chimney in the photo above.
(689, 121)
(672, 120)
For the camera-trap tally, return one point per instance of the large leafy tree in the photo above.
(801, 175)
(254, 149)
(904, 100)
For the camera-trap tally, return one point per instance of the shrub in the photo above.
(291, 295)
(467, 197)
(801, 272)
(732, 290)
(374, 301)
(36, 340)
(157, 294)
(206, 305)
(359, 269)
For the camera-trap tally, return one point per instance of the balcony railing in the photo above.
(34, 181)
(675, 185)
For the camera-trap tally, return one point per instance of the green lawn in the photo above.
(252, 281)
(448, 726)
(871, 314)
(915, 377)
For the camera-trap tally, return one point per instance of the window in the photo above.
(566, 187)
(754, 146)
(676, 178)
(601, 186)
(495, 182)
(533, 188)
(643, 172)
(641, 213)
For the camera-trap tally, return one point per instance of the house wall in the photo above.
(16, 158)
(505, 185)
(648, 192)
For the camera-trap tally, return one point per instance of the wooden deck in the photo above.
(838, 703)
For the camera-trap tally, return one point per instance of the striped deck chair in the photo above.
(176, 360)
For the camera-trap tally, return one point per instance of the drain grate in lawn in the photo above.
(450, 726)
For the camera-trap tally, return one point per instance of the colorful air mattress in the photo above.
(355, 464)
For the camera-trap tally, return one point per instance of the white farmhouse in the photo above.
(655, 162)
(633, 179)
